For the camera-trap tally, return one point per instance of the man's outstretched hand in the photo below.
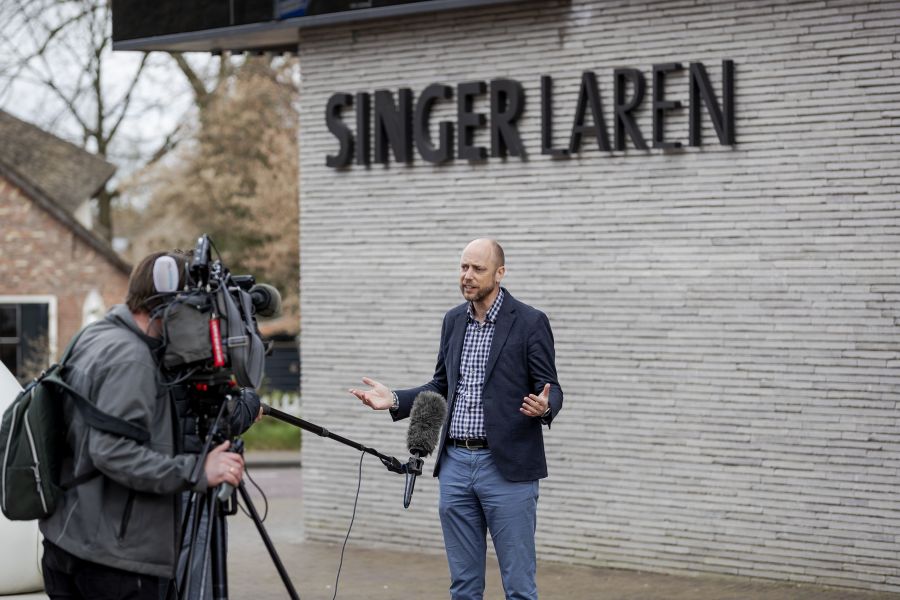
(378, 397)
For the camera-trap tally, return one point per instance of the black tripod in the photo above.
(215, 505)
(210, 509)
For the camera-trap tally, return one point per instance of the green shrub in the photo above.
(272, 434)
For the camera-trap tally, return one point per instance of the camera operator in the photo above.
(114, 535)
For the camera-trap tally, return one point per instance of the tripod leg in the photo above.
(187, 508)
(219, 550)
(276, 560)
(194, 514)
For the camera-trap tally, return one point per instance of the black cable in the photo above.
(265, 514)
(213, 244)
(352, 518)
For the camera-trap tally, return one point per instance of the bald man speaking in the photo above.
(496, 367)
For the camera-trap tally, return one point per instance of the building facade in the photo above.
(55, 273)
(725, 308)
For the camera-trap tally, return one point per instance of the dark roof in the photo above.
(66, 173)
(56, 175)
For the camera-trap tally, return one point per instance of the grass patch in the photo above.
(272, 434)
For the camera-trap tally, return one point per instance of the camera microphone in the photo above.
(266, 300)
(425, 421)
(165, 274)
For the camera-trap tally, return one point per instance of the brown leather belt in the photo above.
(470, 443)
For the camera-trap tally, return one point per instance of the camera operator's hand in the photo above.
(223, 466)
(379, 397)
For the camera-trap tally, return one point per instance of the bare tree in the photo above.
(57, 69)
(236, 179)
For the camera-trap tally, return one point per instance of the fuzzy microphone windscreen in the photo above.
(425, 421)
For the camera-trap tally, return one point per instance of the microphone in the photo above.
(266, 300)
(200, 261)
(165, 274)
(425, 421)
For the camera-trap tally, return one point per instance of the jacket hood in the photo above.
(120, 315)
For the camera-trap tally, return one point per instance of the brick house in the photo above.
(55, 272)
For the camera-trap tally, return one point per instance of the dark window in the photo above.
(24, 341)
(283, 366)
(8, 320)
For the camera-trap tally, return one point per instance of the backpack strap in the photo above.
(93, 416)
(98, 419)
(83, 478)
(68, 351)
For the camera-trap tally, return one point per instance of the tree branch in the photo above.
(167, 146)
(126, 100)
(201, 94)
(68, 102)
(52, 33)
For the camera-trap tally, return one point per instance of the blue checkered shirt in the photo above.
(468, 408)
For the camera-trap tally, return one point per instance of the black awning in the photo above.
(248, 26)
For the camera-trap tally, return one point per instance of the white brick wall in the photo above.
(726, 319)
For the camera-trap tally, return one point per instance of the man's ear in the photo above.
(501, 271)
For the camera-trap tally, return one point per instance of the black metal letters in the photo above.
(402, 127)
(624, 121)
(444, 150)
(722, 118)
(661, 105)
(547, 120)
(363, 120)
(393, 125)
(339, 130)
(507, 103)
(589, 94)
(468, 121)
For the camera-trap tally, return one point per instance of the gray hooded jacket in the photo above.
(127, 517)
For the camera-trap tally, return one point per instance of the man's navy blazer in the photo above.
(520, 362)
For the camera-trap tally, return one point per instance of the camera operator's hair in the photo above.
(142, 295)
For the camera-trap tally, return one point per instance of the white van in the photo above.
(20, 541)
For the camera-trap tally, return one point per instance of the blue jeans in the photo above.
(476, 498)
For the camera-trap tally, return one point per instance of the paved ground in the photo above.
(367, 576)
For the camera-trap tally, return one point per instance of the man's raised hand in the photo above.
(379, 397)
(536, 405)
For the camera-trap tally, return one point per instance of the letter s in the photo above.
(339, 130)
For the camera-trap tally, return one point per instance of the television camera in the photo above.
(210, 335)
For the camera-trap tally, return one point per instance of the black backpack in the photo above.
(33, 443)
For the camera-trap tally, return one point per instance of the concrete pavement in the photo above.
(366, 574)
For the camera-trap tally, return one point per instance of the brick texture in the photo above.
(41, 256)
(726, 318)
